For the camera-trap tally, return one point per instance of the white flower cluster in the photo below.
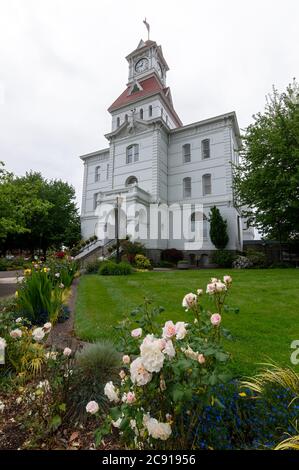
(156, 429)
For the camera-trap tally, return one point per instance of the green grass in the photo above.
(263, 330)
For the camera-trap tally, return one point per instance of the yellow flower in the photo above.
(242, 394)
(27, 271)
(17, 294)
(46, 270)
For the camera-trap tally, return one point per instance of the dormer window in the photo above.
(132, 153)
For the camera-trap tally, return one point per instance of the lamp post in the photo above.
(118, 199)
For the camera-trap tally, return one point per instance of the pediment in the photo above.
(129, 128)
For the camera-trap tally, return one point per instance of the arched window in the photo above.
(205, 148)
(199, 222)
(186, 188)
(141, 113)
(97, 174)
(150, 110)
(131, 181)
(206, 185)
(186, 153)
(132, 153)
(118, 122)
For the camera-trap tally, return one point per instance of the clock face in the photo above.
(141, 65)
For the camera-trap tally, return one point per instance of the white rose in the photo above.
(111, 392)
(126, 359)
(19, 320)
(158, 430)
(16, 333)
(152, 357)
(92, 407)
(117, 423)
(189, 300)
(227, 279)
(169, 349)
(139, 374)
(47, 327)
(2, 343)
(67, 352)
(38, 334)
(136, 333)
(180, 328)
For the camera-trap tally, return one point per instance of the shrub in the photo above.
(131, 249)
(172, 255)
(242, 262)
(218, 229)
(93, 267)
(257, 258)
(171, 374)
(38, 299)
(94, 366)
(142, 262)
(223, 258)
(110, 268)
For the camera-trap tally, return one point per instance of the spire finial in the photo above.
(147, 27)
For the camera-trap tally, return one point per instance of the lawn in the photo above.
(262, 331)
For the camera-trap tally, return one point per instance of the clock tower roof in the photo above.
(147, 87)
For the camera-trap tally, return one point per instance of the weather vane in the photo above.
(147, 27)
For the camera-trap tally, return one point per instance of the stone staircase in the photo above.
(94, 251)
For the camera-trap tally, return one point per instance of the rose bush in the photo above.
(169, 372)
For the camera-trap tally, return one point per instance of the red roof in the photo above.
(149, 86)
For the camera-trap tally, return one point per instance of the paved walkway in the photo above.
(8, 282)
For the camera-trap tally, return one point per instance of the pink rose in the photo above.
(126, 359)
(122, 374)
(169, 330)
(131, 397)
(216, 319)
(92, 407)
(67, 352)
(189, 300)
(201, 359)
(227, 279)
(136, 333)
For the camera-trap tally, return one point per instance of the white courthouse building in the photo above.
(153, 160)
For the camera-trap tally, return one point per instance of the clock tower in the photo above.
(147, 59)
(146, 93)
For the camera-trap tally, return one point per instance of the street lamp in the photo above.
(116, 208)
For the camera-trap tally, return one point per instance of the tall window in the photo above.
(97, 175)
(95, 200)
(199, 222)
(126, 117)
(186, 153)
(107, 172)
(150, 111)
(205, 146)
(141, 113)
(118, 122)
(132, 153)
(206, 185)
(186, 187)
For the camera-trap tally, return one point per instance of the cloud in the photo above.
(62, 63)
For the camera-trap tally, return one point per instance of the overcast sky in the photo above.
(62, 63)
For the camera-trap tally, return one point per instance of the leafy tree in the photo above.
(267, 179)
(218, 229)
(17, 204)
(44, 212)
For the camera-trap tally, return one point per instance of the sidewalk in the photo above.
(8, 282)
